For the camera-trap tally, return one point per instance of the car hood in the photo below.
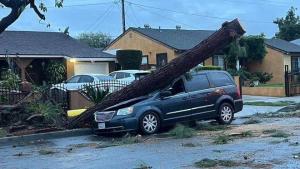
(127, 103)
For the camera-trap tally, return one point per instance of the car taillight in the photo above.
(238, 91)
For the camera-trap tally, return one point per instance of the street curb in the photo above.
(44, 136)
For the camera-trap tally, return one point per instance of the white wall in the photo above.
(91, 68)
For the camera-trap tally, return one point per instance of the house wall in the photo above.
(137, 41)
(272, 63)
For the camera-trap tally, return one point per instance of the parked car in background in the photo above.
(78, 81)
(129, 75)
(200, 95)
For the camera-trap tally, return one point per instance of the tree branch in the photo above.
(36, 10)
(8, 20)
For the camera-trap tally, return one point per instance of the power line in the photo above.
(194, 14)
(175, 21)
(84, 5)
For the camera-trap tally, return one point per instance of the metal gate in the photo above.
(292, 82)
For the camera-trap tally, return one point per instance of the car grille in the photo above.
(104, 116)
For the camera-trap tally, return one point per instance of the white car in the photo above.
(78, 81)
(129, 75)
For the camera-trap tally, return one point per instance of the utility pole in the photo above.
(123, 16)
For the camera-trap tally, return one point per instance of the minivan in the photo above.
(203, 95)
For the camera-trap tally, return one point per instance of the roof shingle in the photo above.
(177, 39)
(283, 45)
(46, 43)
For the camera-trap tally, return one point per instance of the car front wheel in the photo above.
(226, 113)
(149, 123)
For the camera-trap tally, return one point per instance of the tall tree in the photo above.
(95, 40)
(18, 6)
(289, 26)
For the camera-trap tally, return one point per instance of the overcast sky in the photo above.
(105, 15)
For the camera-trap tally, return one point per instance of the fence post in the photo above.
(286, 79)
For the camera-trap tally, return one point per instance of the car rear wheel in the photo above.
(226, 113)
(149, 123)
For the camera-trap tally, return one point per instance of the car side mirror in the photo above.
(166, 93)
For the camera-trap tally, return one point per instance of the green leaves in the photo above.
(289, 26)
(56, 71)
(95, 40)
(59, 3)
(95, 93)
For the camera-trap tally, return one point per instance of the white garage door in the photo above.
(91, 68)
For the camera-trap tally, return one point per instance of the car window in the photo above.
(219, 79)
(113, 74)
(120, 75)
(86, 79)
(126, 75)
(177, 87)
(197, 82)
(74, 79)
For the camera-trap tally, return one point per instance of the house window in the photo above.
(145, 60)
(218, 60)
(161, 59)
(295, 64)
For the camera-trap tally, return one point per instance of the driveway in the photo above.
(257, 151)
(248, 98)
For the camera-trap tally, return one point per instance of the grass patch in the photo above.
(47, 152)
(189, 145)
(248, 133)
(3, 133)
(279, 141)
(181, 131)
(210, 127)
(294, 144)
(280, 134)
(222, 139)
(278, 114)
(208, 163)
(271, 85)
(252, 120)
(269, 131)
(262, 103)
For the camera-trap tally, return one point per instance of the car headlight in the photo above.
(125, 111)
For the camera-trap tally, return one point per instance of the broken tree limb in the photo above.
(165, 75)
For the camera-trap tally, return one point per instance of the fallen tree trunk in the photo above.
(165, 75)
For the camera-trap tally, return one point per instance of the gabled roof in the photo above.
(283, 45)
(177, 39)
(46, 43)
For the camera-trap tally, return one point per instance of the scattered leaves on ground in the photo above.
(181, 131)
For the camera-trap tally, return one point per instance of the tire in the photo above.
(225, 114)
(149, 123)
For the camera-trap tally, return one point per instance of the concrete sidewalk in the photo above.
(248, 98)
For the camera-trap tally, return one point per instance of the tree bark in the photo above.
(165, 75)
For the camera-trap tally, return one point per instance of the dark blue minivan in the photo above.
(203, 95)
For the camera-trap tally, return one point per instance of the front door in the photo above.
(161, 59)
(176, 105)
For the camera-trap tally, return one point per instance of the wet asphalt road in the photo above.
(159, 153)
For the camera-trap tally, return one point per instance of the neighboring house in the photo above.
(160, 46)
(279, 54)
(30, 51)
(297, 41)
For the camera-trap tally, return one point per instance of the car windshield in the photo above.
(140, 75)
(74, 79)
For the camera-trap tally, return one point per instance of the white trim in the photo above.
(190, 115)
(60, 56)
(184, 110)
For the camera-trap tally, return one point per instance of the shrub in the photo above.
(181, 131)
(263, 77)
(51, 112)
(200, 68)
(56, 71)
(129, 59)
(10, 80)
(94, 93)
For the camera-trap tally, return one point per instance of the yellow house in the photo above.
(159, 46)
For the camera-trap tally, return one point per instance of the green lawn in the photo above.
(271, 85)
(261, 103)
